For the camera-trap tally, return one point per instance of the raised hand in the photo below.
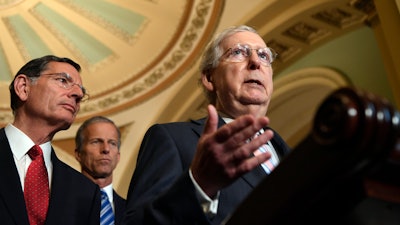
(224, 154)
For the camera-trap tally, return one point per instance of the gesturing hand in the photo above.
(225, 154)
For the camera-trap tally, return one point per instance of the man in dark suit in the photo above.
(98, 142)
(45, 98)
(198, 172)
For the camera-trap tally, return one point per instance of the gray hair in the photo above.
(213, 53)
(96, 119)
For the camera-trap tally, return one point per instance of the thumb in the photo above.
(212, 120)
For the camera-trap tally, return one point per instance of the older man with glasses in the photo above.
(198, 172)
(37, 188)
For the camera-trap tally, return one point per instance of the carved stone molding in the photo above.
(119, 67)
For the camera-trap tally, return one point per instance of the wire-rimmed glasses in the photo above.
(65, 81)
(241, 52)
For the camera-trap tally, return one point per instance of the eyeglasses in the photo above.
(241, 52)
(65, 81)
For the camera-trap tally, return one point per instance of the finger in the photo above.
(232, 132)
(243, 151)
(252, 162)
(262, 138)
(243, 129)
(212, 120)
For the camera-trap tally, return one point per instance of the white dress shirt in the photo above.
(110, 194)
(20, 144)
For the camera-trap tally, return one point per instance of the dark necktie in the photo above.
(36, 188)
(106, 213)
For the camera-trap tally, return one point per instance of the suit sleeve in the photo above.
(161, 191)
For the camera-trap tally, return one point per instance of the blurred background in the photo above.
(140, 57)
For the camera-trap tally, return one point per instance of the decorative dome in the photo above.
(110, 39)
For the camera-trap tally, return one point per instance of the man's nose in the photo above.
(254, 60)
(77, 92)
(105, 149)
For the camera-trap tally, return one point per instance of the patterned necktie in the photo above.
(270, 163)
(36, 188)
(106, 213)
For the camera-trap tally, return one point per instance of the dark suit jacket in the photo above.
(161, 191)
(119, 205)
(74, 199)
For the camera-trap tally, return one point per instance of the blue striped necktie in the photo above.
(106, 213)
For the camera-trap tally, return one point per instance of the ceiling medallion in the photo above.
(128, 53)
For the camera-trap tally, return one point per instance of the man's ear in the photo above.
(22, 86)
(77, 155)
(206, 79)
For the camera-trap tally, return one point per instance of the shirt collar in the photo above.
(109, 191)
(225, 117)
(228, 120)
(20, 143)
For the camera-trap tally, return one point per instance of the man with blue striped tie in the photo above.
(106, 213)
(97, 150)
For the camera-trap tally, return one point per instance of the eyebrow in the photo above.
(69, 78)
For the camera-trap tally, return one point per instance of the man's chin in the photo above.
(66, 124)
(255, 100)
(65, 127)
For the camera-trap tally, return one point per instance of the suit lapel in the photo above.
(58, 192)
(11, 190)
(254, 177)
(198, 125)
(119, 204)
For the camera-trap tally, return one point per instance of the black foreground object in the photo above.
(346, 171)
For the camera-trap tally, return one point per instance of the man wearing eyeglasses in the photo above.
(198, 172)
(37, 188)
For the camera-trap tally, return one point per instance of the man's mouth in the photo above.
(70, 107)
(254, 82)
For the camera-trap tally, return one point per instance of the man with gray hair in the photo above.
(198, 172)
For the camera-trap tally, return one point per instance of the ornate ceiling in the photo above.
(140, 57)
(129, 51)
(132, 50)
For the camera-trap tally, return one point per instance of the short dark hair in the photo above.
(95, 119)
(32, 69)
